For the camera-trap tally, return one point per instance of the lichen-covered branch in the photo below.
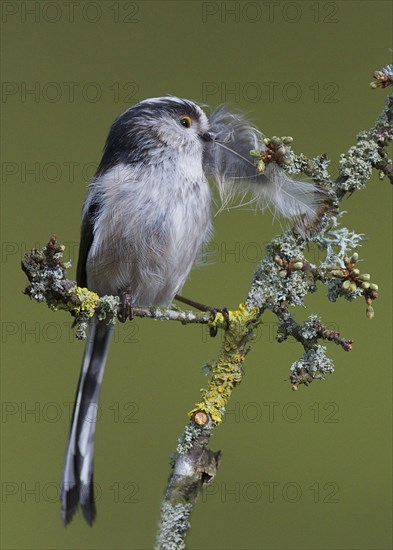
(281, 281)
(194, 464)
(46, 272)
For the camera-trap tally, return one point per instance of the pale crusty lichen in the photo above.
(191, 433)
(316, 167)
(172, 531)
(338, 243)
(108, 309)
(272, 284)
(314, 362)
(356, 165)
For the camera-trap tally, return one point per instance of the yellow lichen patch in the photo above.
(227, 371)
(88, 301)
(241, 316)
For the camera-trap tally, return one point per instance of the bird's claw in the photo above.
(225, 313)
(213, 310)
(126, 310)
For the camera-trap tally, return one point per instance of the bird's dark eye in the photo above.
(185, 121)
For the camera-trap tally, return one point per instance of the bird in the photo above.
(146, 217)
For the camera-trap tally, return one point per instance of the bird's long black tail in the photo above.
(77, 481)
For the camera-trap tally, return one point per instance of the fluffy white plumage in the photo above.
(151, 223)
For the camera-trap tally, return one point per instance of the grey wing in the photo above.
(87, 235)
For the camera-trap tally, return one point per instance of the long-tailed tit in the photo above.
(145, 219)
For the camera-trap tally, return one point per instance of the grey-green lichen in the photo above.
(46, 272)
(275, 282)
(314, 362)
(308, 330)
(50, 280)
(176, 523)
(109, 306)
(191, 433)
(338, 243)
(316, 167)
(356, 165)
(279, 151)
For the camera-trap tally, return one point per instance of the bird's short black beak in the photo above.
(208, 136)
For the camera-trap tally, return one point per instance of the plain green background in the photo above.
(305, 470)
